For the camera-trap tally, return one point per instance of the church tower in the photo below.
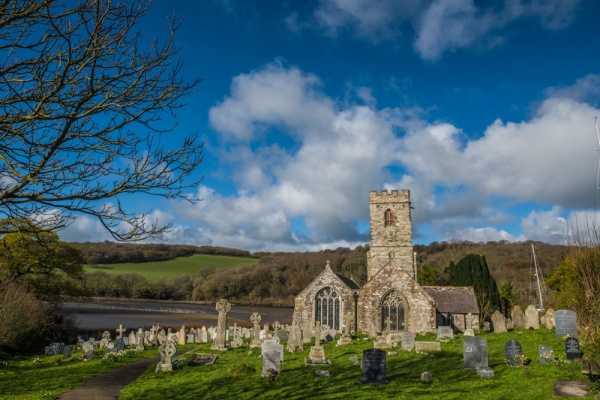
(391, 232)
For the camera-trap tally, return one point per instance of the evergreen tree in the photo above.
(473, 270)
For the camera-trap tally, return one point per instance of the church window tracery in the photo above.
(327, 308)
(392, 307)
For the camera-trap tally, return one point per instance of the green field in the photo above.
(161, 270)
(237, 374)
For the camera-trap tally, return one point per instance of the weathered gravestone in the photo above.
(272, 353)
(374, 366)
(532, 320)
(509, 324)
(105, 339)
(317, 352)
(181, 336)
(119, 344)
(572, 348)
(514, 352)
(566, 323)
(89, 356)
(550, 318)
(223, 307)
(444, 332)
(545, 354)
(87, 346)
(54, 349)
(475, 353)
(67, 351)
(166, 350)
(408, 341)
(132, 338)
(428, 346)
(191, 336)
(255, 319)
(518, 317)
(294, 340)
(498, 322)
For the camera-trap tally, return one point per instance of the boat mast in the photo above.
(537, 277)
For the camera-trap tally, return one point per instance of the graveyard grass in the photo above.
(162, 270)
(237, 374)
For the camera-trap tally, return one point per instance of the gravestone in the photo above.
(550, 318)
(372, 331)
(381, 342)
(444, 332)
(181, 336)
(87, 346)
(89, 356)
(428, 346)
(572, 348)
(532, 320)
(166, 350)
(486, 326)
(223, 307)
(294, 342)
(566, 323)
(475, 353)
(545, 354)
(203, 335)
(271, 345)
(509, 324)
(67, 352)
(498, 322)
(272, 353)
(514, 352)
(79, 341)
(374, 366)
(119, 344)
(132, 338)
(518, 317)
(485, 372)
(317, 352)
(408, 341)
(255, 319)
(468, 332)
(276, 328)
(191, 336)
(54, 348)
(237, 337)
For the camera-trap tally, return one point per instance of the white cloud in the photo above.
(440, 25)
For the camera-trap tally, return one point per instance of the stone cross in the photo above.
(166, 350)
(276, 327)
(348, 318)
(106, 335)
(255, 319)
(318, 334)
(223, 307)
(121, 330)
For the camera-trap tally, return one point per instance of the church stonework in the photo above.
(391, 299)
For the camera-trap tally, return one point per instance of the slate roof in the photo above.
(453, 299)
(348, 282)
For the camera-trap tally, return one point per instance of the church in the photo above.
(391, 299)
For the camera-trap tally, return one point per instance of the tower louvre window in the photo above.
(390, 218)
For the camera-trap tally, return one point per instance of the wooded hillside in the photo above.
(279, 277)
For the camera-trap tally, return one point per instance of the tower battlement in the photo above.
(385, 196)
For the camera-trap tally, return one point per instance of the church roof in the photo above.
(453, 299)
(348, 282)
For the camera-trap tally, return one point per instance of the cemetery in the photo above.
(230, 361)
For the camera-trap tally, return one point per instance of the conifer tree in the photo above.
(473, 270)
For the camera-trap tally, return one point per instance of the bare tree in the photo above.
(82, 94)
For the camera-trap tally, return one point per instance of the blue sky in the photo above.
(484, 110)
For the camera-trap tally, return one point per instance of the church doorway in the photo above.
(327, 308)
(392, 308)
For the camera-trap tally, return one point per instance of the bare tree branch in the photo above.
(81, 100)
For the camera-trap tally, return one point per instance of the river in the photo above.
(108, 314)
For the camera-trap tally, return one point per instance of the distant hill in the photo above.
(114, 253)
(278, 277)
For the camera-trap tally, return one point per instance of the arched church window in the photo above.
(390, 218)
(392, 312)
(327, 308)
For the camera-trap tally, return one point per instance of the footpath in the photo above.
(108, 386)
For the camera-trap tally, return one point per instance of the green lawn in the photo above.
(161, 270)
(237, 374)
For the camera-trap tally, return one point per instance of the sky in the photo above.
(483, 110)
